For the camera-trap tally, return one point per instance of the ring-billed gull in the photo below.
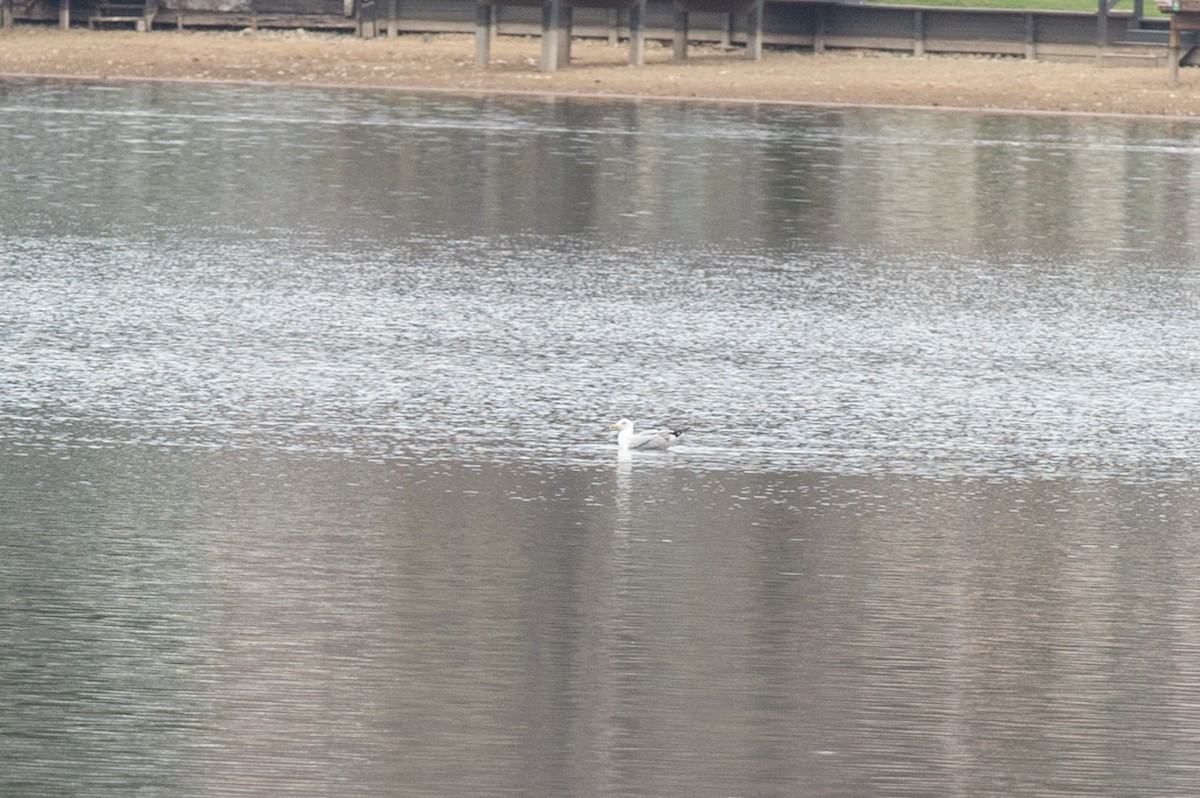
(646, 439)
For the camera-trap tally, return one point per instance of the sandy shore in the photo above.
(445, 62)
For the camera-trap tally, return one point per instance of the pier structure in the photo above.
(557, 27)
(752, 10)
(1110, 34)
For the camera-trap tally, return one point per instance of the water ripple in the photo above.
(849, 362)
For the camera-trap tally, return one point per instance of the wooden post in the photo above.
(679, 40)
(393, 14)
(727, 32)
(819, 30)
(754, 32)
(146, 23)
(64, 14)
(368, 19)
(637, 33)
(1173, 55)
(550, 30)
(1101, 25)
(918, 33)
(483, 35)
(6, 14)
(565, 19)
(614, 22)
(1030, 37)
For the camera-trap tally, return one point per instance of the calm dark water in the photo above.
(307, 486)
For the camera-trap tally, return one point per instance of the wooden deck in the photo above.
(1116, 36)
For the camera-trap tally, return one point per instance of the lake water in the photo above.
(307, 485)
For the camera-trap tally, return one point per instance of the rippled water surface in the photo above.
(308, 486)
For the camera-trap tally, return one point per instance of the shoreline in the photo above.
(442, 63)
(828, 105)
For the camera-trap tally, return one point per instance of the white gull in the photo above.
(646, 439)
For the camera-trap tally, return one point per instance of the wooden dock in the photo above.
(1110, 35)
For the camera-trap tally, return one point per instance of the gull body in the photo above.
(628, 439)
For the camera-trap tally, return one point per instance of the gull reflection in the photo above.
(624, 487)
